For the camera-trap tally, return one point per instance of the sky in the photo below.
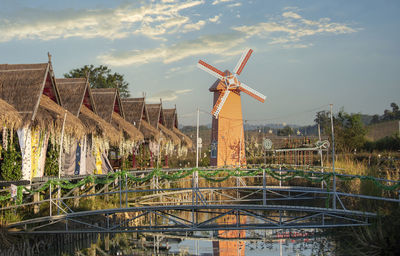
(307, 54)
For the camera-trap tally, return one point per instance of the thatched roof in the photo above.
(9, 116)
(50, 116)
(170, 118)
(129, 129)
(135, 110)
(98, 126)
(183, 137)
(149, 132)
(21, 85)
(169, 134)
(155, 114)
(72, 92)
(107, 101)
(171, 122)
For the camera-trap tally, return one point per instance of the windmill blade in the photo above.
(210, 69)
(220, 102)
(253, 93)
(242, 62)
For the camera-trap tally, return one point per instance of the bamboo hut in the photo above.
(9, 116)
(32, 91)
(9, 120)
(156, 117)
(136, 113)
(173, 144)
(83, 157)
(171, 122)
(110, 108)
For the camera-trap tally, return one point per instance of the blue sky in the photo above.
(307, 54)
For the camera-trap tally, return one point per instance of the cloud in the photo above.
(194, 26)
(152, 20)
(221, 1)
(288, 30)
(221, 45)
(291, 27)
(234, 5)
(167, 95)
(215, 19)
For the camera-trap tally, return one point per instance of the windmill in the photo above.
(227, 139)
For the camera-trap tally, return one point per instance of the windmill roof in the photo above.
(218, 85)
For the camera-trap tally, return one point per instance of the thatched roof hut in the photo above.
(31, 89)
(77, 97)
(51, 115)
(156, 117)
(9, 116)
(136, 113)
(171, 122)
(131, 131)
(107, 101)
(109, 107)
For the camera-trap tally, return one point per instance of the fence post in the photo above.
(50, 200)
(264, 188)
(280, 175)
(120, 192)
(126, 190)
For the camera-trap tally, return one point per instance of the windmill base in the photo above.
(227, 137)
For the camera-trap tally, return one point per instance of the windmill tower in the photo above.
(227, 137)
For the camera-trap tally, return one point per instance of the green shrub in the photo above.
(11, 167)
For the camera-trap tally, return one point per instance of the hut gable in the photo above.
(22, 86)
(135, 110)
(170, 117)
(107, 101)
(155, 114)
(73, 92)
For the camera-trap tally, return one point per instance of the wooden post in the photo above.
(76, 200)
(36, 198)
(107, 197)
(133, 159)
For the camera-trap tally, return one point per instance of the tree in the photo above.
(348, 128)
(285, 131)
(101, 77)
(375, 119)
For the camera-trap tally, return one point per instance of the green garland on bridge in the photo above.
(209, 175)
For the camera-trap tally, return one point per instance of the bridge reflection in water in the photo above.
(257, 201)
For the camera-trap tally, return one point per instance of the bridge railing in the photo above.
(205, 186)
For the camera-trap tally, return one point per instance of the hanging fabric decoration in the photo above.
(98, 160)
(24, 138)
(82, 166)
(154, 148)
(78, 158)
(43, 149)
(35, 153)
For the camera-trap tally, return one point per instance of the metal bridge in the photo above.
(198, 203)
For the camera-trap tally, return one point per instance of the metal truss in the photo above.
(191, 218)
